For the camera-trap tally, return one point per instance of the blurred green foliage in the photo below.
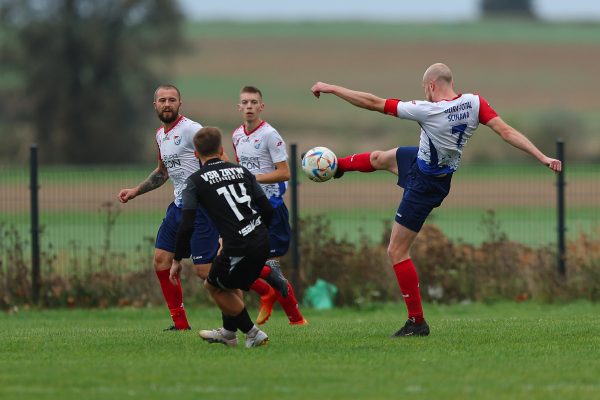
(75, 72)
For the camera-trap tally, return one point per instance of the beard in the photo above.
(168, 116)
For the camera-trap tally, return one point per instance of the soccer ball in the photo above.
(319, 164)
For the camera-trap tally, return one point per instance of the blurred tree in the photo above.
(495, 8)
(79, 73)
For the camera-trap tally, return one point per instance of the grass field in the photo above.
(497, 351)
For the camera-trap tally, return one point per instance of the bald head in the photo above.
(438, 72)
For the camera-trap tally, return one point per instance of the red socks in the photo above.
(409, 285)
(261, 287)
(174, 298)
(290, 305)
(264, 273)
(356, 162)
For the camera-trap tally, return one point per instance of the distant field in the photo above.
(475, 351)
(492, 31)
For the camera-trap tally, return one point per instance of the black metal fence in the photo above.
(75, 219)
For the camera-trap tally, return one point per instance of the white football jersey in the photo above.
(446, 127)
(176, 150)
(258, 151)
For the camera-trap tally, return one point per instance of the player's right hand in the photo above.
(174, 272)
(126, 194)
(318, 88)
(553, 164)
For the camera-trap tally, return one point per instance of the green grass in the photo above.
(498, 351)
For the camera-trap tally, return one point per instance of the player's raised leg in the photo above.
(378, 160)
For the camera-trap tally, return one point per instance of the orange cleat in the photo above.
(266, 306)
(300, 322)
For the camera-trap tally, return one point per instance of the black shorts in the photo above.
(238, 272)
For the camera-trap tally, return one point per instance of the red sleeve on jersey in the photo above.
(233, 145)
(486, 112)
(235, 152)
(391, 107)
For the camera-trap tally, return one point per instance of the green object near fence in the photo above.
(320, 296)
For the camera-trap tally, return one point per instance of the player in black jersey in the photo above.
(241, 212)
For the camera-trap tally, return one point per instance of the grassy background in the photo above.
(495, 351)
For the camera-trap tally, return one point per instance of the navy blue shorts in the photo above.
(422, 193)
(279, 232)
(204, 243)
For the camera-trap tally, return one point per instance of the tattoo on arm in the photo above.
(154, 180)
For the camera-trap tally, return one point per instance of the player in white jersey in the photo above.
(447, 121)
(176, 161)
(260, 148)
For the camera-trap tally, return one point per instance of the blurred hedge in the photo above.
(449, 271)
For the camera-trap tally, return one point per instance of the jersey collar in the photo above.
(212, 160)
(455, 97)
(177, 121)
(253, 130)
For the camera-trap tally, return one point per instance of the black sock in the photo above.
(243, 321)
(229, 323)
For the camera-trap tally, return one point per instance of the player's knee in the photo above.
(202, 271)
(397, 253)
(383, 160)
(161, 262)
(375, 159)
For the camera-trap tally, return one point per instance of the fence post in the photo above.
(35, 224)
(295, 242)
(560, 184)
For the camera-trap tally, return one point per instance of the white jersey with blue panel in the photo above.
(259, 151)
(446, 127)
(176, 151)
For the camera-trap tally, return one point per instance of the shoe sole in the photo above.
(412, 334)
(263, 343)
(299, 323)
(212, 341)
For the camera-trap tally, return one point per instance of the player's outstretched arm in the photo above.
(154, 180)
(520, 141)
(364, 100)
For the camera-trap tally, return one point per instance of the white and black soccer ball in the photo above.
(319, 164)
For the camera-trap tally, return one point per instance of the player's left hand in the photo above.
(174, 272)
